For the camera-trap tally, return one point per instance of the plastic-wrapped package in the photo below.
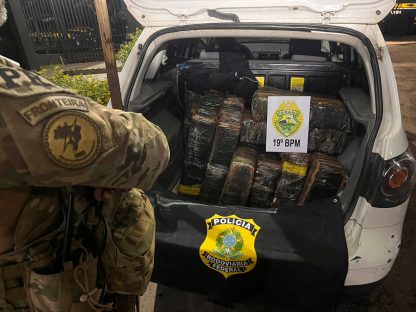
(329, 113)
(326, 175)
(213, 98)
(261, 98)
(238, 183)
(185, 130)
(326, 141)
(194, 101)
(223, 148)
(294, 171)
(252, 132)
(233, 103)
(325, 113)
(268, 171)
(201, 134)
(192, 174)
(213, 183)
(198, 147)
(226, 138)
(191, 99)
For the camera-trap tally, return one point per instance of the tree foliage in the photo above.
(126, 48)
(87, 85)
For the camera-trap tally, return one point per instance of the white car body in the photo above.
(373, 234)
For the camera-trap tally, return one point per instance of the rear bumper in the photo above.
(374, 238)
(301, 252)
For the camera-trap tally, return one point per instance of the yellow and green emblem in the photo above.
(72, 140)
(288, 118)
(229, 245)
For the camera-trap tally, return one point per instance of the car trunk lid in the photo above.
(184, 12)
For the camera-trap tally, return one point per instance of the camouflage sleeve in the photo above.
(58, 138)
(141, 150)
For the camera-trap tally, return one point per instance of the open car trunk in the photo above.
(243, 238)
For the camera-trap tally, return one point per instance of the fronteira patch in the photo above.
(72, 140)
(50, 105)
(229, 245)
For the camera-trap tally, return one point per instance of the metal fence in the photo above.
(69, 28)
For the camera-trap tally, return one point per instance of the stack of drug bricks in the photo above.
(225, 160)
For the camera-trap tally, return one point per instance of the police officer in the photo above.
(60, 248)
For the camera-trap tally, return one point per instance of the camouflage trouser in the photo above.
(28, 284)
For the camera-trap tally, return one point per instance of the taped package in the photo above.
(198, 147)
(253, 132)
(213, 98)
(223, 148)
(226, 137)
(325, 113)
(326, 141)
(195, 100)
(326, 176)
(213, 183)
(192, 174)
(191, 99)
(238, 183)
(294, 172)
(268, 172)
(233, 103)
(261, 99)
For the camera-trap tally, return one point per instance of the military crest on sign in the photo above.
(288, 118)
(229, 245)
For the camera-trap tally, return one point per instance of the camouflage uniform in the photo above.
(51, 138)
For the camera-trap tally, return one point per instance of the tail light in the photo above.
(392, 180)
(399, 175)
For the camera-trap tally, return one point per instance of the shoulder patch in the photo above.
(72, 140)
(50, 105)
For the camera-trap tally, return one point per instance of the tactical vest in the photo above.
(110, 260)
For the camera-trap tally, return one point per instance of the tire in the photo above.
(398, 25)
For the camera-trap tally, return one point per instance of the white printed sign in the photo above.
(288, 124)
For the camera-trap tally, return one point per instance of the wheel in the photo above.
(398, 25)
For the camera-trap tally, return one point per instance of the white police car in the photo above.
(301, 255)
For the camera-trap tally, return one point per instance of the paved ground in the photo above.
(398, 291)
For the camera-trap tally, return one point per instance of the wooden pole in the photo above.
(109, 57)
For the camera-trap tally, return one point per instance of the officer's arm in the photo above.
(142, 151)
(83, 143)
